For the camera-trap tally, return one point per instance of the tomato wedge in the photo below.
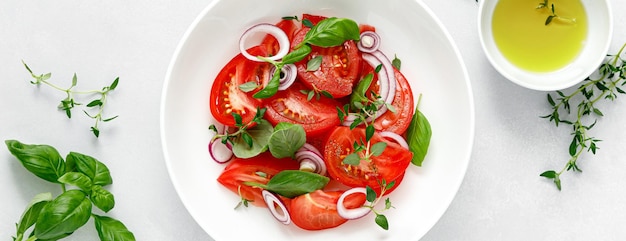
(288, 26)
(399, 121)
(318, 210)
(258, 169)
(338, 71)
(226, 97)
(291, 105)
(389, 166)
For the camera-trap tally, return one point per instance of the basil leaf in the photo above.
(77, 179)
(353, 159)
(396, 62)
(378, 148)
(418, 137)
(110, 229)
(358, 94)
(92, 168)
(286, 139)
(248, 86)
(42, 160)
(260, 135)
(314, 63)
(332, 32)
(293, 183)
(63, 215)
(297, 54)
(102, 198)
(271, 88)
(29, 217)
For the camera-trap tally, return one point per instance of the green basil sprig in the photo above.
(286, 140)
(57, 218)
(418, 136)
(293, 183)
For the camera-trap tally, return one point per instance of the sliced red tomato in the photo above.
(258, 169)
(318, 210)
(291, 105)
(313, 18)
(289, 27)
(389, 166)
(226, 97)
(366, 27)
(399, 121)
(338, 71)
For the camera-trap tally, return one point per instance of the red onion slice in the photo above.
(355, 212)
(386, 79)
(274, 202)
(311, 161)
(289, 74)
(395, 137)
(219, 151)
(276, 32)
(310, 147)
(370, 41)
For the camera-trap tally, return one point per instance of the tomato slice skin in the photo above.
(338, 71)
(292, 106)
(247, 170)
(289, 27)
(318, 210)
(399, 121)
(226, 97)
(389, 166)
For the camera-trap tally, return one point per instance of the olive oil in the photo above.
(520, 32)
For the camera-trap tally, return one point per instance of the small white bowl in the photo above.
(599, 35)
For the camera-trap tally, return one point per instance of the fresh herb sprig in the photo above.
(328, 32)
(553, 15)
(612, 78)
(56, 218)
(374, 199)
(68, 103)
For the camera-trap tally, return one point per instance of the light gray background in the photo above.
(502, 197)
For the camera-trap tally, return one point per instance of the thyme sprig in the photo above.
(612, 78)
(68, 103)
(553, 14)
(374, 199)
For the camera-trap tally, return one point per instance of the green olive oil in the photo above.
(522, 35)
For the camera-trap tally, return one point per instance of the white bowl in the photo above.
(430, 61)
(600, 30)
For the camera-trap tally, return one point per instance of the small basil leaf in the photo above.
(29, 217)
(396, 62)
(102, 198)
(92, 168)
(381, 220)
(110, 229)
(293, 183)
(314, 63)
(378, 148)
(260, 135)
(353, 159)
(63, 215)
(418, 137)
(370, 194)
(77, 179)
(42, 160)
(248, 86)
(358, 94)
(271, 88)
(286, 139)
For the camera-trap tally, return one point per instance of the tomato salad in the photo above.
(315, 122)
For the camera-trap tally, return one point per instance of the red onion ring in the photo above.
(289, 74)
(274, 201)
(386, 79)
(312, 148)
(355, 212)
(311, 161)
(220, 152)
(370, 41)
(395, 137)
(276, 32)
